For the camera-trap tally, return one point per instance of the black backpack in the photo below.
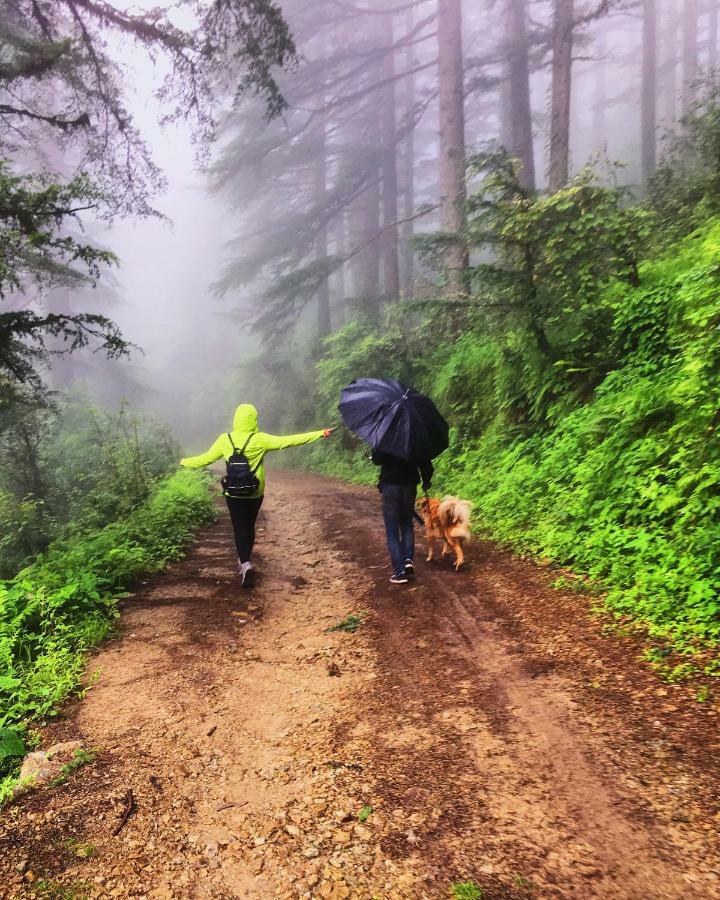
(240, 480)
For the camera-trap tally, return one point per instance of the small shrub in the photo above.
(466, 890)
(80, 758)
(349, 623)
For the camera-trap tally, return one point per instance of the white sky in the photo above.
(167, 268)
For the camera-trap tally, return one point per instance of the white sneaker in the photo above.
(247, 574)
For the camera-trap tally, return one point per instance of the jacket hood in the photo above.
(246, 418)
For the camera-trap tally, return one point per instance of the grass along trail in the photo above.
(495, 734)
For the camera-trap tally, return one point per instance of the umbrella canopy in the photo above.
(395, 419)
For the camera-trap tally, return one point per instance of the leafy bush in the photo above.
(65, 602)
(466, 890)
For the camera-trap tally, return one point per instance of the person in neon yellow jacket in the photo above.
(244, 511)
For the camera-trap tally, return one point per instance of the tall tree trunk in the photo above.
(649, 90)
(669, 64)
(563, 22)
(713, 36)
(690, 49)
(338, 279)
(391, 267)
(451, 96)
(408, 157)
(599, 105)
(369, 274)
(504, 103)
(364, 211)
(519, 84)
(321, 239)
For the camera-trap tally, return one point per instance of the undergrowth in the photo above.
(622, 486)
(64, 603)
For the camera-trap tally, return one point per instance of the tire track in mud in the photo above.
(494, 754)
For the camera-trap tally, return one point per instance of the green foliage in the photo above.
(365, 813)
(383, 353)
(546, 262)
(466, 890)
(65, 602)
(11, 743)
(32, 211)
(626, 487)
(350, 624)
(80, 758)
(35, 246)
(703, 695)
(48, 889)
(79, 849)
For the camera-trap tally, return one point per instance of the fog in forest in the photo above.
(259, 202)
(187, 341)
(246, 261)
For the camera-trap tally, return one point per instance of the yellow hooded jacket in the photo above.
(245, 424)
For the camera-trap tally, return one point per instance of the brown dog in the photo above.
(447, 520)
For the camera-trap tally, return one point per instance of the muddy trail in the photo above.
(477, 726)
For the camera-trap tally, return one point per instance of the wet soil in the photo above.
(498, 734)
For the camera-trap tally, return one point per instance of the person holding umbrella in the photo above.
(397, 484)
(405, 431)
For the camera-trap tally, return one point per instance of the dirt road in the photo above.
(493, 730)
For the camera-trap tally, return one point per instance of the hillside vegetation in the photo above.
(581, 380)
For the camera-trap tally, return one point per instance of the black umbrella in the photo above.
(395, 419)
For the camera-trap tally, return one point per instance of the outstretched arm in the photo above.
(280, 442)
(204, 459)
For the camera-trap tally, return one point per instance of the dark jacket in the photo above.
(394, 470)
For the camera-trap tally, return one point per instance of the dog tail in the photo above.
(455, 517)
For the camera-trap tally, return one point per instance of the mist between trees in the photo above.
(496, 201)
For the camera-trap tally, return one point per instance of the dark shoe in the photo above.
(410, 568)
(399, 579)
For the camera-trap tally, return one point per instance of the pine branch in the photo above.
(82, 121)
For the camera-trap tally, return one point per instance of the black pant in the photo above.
(243, 514)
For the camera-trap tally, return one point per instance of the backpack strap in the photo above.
(244, 447)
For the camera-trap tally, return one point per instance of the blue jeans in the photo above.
(398, 505)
